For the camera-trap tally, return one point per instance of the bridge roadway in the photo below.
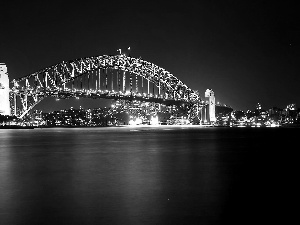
(131, 96)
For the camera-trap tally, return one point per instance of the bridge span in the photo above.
(105, 76)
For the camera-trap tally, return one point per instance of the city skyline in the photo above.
(245, 53)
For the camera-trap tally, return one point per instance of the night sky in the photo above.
(246, 51)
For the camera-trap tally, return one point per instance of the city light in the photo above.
(154, 120)
(183, 105)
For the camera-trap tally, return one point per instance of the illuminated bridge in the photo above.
(110, 77)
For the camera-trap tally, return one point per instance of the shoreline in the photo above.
(140, 126)
(16, 127)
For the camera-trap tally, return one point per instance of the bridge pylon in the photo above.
(4, 90)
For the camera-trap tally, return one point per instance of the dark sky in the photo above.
(246, 51)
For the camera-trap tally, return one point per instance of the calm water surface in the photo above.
(148, 175)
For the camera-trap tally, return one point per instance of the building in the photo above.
(4, 90)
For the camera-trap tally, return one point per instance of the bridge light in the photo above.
(138, 121)
(131, 122)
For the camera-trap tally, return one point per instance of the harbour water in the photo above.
(148, 175)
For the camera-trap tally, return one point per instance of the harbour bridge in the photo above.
(107, 77)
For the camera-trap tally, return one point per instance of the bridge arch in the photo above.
(53, 79)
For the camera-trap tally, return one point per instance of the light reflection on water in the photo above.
(126, 175)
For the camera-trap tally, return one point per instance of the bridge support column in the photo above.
(148, 88)
(105, 79)
(124, 82)
(200, 114)
(15, 104)
(25, 102)
(159, 88)
(99, 84)
(112, 81)
(142, 85)
(119, 81)
(136, 84)
(130, 82)
(153, 90)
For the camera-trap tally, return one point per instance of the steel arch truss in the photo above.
(52, 80)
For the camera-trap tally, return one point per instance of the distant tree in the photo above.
(2, 118)
(238, 114)
(196, 121)
(5, 118)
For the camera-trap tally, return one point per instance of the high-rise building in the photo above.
(4, 90)
(211, 105)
